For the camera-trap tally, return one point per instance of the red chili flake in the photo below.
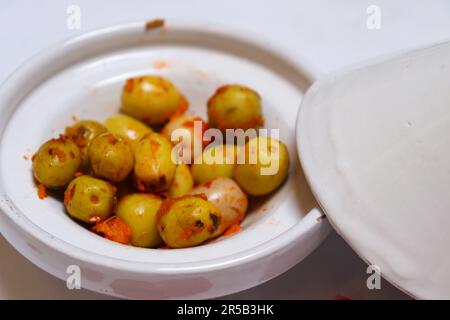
(114, 229)
(63, 138)
(222, 89)
(112, 139)
(156, 23)
(235, 228)
(68, 194)
(187, 233)
(202, 196)
(79, 174)
(80, 142)
(59, 153)
(208, 184)
(258, 122)
(160, 64)
(42, 192)
(70, 132)
(188, 123)
(129, 85)
(140, 185)
(94, 199)
(192, 230)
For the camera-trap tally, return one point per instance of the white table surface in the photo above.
(329, 33)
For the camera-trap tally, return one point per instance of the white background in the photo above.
(329, 33)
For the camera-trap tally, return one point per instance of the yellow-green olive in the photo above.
(111, 157)
(215, 162)
(138, 211)
(154, 169)
(56, 162)
(186, 133)
(82, 133)
(182, 183)
(229, 199)
(266, 165)
(233, 107)
(89, 199)
(126, 126)
(187, 221)
(151, 99)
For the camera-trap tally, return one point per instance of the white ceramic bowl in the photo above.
(83, 77)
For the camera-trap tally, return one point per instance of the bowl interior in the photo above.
(83, 78)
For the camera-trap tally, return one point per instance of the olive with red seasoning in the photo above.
(89, 199)
(151, 99)
(56, 162)
(111, 157)
(235, 107)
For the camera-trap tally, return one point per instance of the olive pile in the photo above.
(120, 179)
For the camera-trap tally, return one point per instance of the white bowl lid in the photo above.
(375, 145)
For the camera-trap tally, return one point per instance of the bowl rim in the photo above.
(305, 226)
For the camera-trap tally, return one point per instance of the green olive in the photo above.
(186, 133)
(215, 162)
(151, 99)
(82, 133)
(89, 199)
(235, 107)
(111, 157)
(264, 167)
(126, 126)
(56, 162)
(182, 183)
(154, 169)
(187, 221)
(138, 211)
